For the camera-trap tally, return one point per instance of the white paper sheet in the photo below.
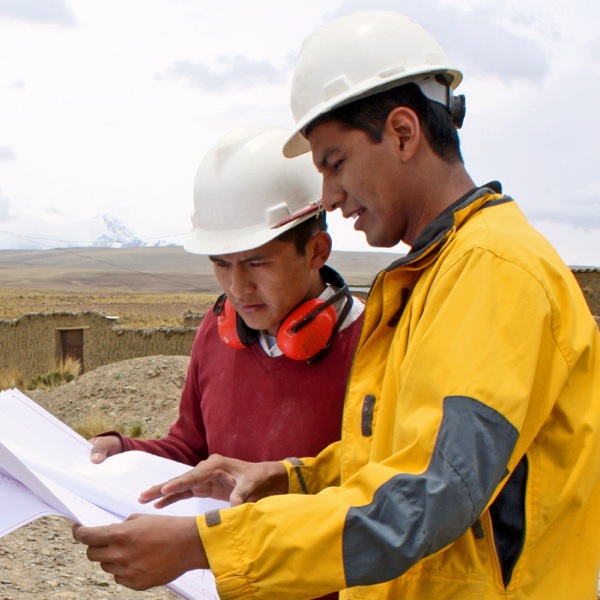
(45, 469)
(18, 506)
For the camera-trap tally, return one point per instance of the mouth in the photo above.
(355, 214)
(249, 308)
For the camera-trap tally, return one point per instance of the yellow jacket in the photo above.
(469, 465)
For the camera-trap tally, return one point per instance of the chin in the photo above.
(258, 324)
(375, 241)
(254, 325)
(380, 239)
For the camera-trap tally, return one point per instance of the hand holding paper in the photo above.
(45, 469)
(145, 551)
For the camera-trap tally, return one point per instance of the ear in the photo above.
(318, 249)
(404, 127)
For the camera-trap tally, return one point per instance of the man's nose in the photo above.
(333, 195)
(240, 282)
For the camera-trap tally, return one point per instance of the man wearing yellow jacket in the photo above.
(469, 465)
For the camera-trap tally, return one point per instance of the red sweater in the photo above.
(244, 404)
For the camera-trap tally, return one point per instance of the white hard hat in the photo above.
(246, 192)
(359, 55)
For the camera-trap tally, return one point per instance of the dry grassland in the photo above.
(135, 310)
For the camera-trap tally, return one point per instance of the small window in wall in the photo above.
(71, 345)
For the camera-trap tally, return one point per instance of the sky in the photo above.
(108, 107)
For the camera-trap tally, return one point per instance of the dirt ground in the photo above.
(41, 560)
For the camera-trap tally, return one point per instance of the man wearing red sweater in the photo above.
(270, 392)
(257, 389)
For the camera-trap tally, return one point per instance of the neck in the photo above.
(316, 288)
(445, 183)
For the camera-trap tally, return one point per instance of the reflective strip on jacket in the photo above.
(469, 465)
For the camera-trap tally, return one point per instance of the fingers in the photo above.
(145, 550)
(101, 549)
(105, 446)
(184, 483)
(223, 479)
(204, 480)
(157, 492)
(238, 497)
(92, 536)
(245, 490)
(97, 457)
(172, 498)
(177, 488)
(97, 453)
(151, 494)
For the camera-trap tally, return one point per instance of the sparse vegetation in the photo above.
(134, 430)
(67, 370)
(96, 422)
(11, 378)
(93, 424)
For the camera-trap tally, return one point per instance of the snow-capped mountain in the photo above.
(58, 231)
(116, 235)
(109, 232)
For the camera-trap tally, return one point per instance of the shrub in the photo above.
(11, 378)
(70, 368)
(66, 371)
(96, 423)
(93, 424)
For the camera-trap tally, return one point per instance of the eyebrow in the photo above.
(256, 257)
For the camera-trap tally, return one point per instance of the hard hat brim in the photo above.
(203, 241)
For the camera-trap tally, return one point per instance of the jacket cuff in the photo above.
(297, 483)
(223, 550)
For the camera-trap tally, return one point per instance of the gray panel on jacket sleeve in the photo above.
(413, 516)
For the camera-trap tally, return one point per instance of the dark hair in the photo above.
(369, 114)
(301, 233)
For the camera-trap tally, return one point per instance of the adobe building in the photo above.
(35, 344)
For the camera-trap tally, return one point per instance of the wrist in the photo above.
(193, 555)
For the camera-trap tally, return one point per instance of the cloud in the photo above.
(5, 211)
(7, 153)
(581, 209)
(593, 48)
(55, 12)
(477, 40)
(234, 72)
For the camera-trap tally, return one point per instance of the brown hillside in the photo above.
(164, 269)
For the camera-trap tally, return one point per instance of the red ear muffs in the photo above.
(305, 334)
(232, 329)
(227, 326)
(306, 330)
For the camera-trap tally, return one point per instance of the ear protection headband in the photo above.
(456, 105)
(305, 334)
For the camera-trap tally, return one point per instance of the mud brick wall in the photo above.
(35, 343)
